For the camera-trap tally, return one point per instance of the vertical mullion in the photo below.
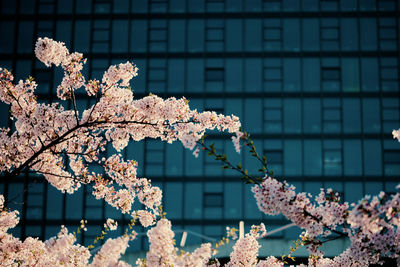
(342, 95)
(380, 95)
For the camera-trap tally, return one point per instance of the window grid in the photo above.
(215, 35)
(46, 6)
(272, 5)
(272, 34)
(102, 6)
(158, 36)
(330, 32)
(389, 74)
(273, 75)
(158, 6)
(157, 75)
(101, 36)
(385, 81)
(215, 5)
(387, 33)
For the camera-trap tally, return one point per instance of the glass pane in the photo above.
(371, 115)
(253, 75)
(25, 37)
(351, 115)
(291, 75)
(292, 157)
(312, 157)
(120, 36)
(253, 115)
(173, 199)
(368, 34)
(349, 34)
(252, 35)
(372, 157)
(312, 115)
(234, 72)
(193, 200)
(310, 40)
(352, 157)
(195, 35)
(291, 34)
(350, 75)
(233, 200)
(292, 115)
(369, 74)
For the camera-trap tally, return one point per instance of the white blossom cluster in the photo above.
(162, 251)
(60, 250)
(372, 224)
(396, 134)
(48, 136)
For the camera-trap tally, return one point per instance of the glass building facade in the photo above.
(315, 82)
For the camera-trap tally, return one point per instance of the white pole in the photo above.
(241, 229)
(280, 229)
(183, 240)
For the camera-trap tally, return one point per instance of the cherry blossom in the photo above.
(371, 225)
(162, 251)
(236, 140)
(48, 136)
(396, 134)
(67, 147)
(110, 253)
(111, 224)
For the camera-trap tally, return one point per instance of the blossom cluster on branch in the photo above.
(163, 253)
(372, 225)
(59, 250)
(65, 145)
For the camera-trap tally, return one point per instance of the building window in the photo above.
(45, 28)
(390, 114)
(389, 74)
(329, 4)
(330, 34)
(387, 34)
(386, 5)
(274, 160)
(93, 207)
(157, 75)
(101, 36)
(98, 67)
(215, 29)
(158, 6)
(215, 5)
(272, 75)
(43, 77)
(154, 160)
(158, 36)
(46, 6)
(272, 34)
(213, 200)
(273, 116)
(272, 5)
(211, 166)
(215, 74)
(34, 202)
(332, 157)
(392, 162)
(332, 115)
(102, 6)
(330, 75)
